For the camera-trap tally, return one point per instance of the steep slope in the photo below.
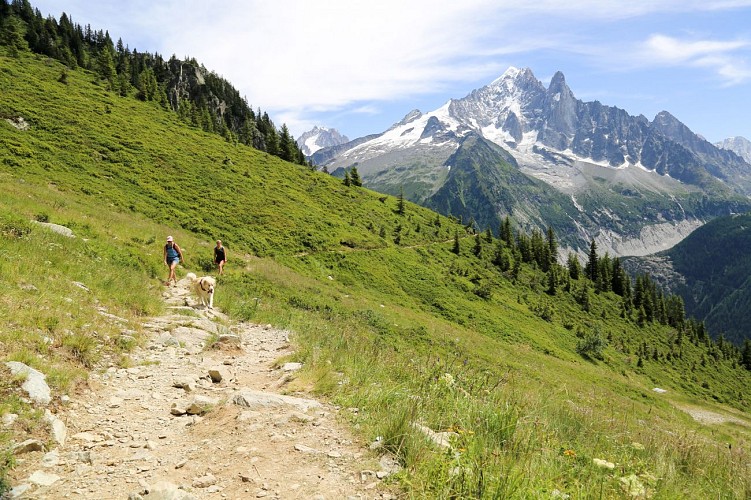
(522, 370)
(711, 270)
(576, 147)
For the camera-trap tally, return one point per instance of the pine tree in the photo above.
(551, 281)
(12, 36)
(400, 209)
(489, 235)
(507, 235)
(287, 151)
(552, 246)
(456, 248)
(347, 179)
(106, 62)
(591, 270)
(574, 266)
(477, 250)
(354, 176)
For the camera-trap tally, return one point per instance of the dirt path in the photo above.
(130, 437)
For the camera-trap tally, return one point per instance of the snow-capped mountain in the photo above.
(318, 138)
(547, 129)
(739, 145)
(610, 164)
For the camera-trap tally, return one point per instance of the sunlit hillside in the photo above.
(545, 380)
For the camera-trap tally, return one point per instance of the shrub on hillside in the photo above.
(592, 345)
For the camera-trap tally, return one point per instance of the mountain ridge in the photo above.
(561, 140)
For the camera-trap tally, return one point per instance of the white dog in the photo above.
(203, 288)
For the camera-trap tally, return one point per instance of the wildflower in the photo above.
(603, 463)
(633, 487)
(448, 379)
(570, 453)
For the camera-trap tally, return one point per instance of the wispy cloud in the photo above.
(726, 59)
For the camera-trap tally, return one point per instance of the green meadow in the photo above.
(389, 321)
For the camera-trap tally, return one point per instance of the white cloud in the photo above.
(296, 58)
(725, 58)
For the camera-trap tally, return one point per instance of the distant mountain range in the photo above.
(739, 145)
(318, 138)
(635, 186)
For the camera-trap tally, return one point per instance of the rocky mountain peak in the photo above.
(318, 138)
(411, 116)
(558, 83)
(738, 145)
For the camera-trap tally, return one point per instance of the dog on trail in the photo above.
(203, 288)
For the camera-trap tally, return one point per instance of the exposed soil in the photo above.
(127, 438)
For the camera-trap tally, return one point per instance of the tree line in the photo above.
(641, 300)
(200, 97)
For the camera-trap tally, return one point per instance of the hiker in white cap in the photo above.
(172, 257)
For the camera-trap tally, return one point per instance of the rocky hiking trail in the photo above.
(191, 422)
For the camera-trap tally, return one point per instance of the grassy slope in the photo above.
(378, 324)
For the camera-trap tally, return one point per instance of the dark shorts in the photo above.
(173, 262)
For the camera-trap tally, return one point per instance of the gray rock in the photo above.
(51, 459)
(18, 491)
(28, 446)
(291, 367)
(84, 457)
(204, 481)
(56, 228)
(229, 339)
(186, 383)
(305, 449)
(179, 408)
(200, 405)
(256, 399)
(59, 431)
(440, 439)
(35, 384)
(42, 478)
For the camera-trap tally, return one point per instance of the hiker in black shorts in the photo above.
(220, 256)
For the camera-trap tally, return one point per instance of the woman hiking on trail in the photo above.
(172, 256)
(220, 256)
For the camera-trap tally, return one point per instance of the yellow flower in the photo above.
(570, 453)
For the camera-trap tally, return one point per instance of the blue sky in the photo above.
(360, 66)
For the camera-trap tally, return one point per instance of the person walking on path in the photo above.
(220, 256)
(172, 256)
